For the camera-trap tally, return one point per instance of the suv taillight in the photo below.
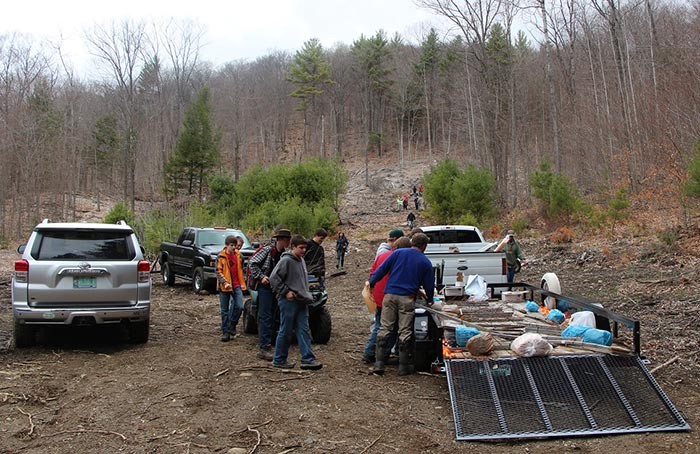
(144, 270)
(21, 271)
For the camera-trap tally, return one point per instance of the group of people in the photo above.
(281, 278)
(400, 274)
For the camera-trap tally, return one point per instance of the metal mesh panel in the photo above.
(557, 396)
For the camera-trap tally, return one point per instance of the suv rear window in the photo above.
(83, 245)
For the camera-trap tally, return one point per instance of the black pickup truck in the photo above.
(193, 257)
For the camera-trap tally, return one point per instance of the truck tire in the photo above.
(250, 320)
(320, 324)
(168, 276)
(24, 335)
(550, 282)
(198, 281)
(138, 332)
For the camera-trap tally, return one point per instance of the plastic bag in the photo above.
(597, 336)
(530, 344)
(464, 333)
(556, 316)
(532, 306)
(368, 298)
(481, 344)
(583, 318)
(574, 331)
(476, 287)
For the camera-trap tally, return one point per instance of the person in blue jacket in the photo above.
(409, 270)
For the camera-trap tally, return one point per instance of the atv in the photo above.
(319, 317)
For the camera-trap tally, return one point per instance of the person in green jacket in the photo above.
(514, 255)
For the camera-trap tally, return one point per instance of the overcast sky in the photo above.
(235, 29)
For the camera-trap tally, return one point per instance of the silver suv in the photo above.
(81, 274)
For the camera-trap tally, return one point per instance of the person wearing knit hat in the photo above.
(386, 246)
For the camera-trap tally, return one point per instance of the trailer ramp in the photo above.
(557, 396)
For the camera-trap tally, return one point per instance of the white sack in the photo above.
(530, 344)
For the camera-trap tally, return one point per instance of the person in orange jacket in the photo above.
(230, 284)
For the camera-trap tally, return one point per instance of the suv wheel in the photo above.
(24, 335)
(198, 280)
(320, 324)
(138, 332)
(168, 276)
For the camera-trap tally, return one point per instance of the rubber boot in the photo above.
(405, 362)
(380, 355)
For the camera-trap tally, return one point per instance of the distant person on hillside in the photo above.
(341, 247)
(411, 218)
(399, 202)
(405, 202)
(393, 236)
(514, 254)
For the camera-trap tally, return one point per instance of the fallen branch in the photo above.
(299, 377)
(670, 361)
(257, 443)
(371, 444)
(253, 426)
(220, 373)
(31, 423)
(84, 431)
(273, 369)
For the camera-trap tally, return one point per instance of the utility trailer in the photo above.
(577, 390)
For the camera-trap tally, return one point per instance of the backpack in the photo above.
(250, 282)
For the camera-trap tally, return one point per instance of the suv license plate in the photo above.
(84, 282)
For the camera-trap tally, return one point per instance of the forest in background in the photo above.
(609, 95)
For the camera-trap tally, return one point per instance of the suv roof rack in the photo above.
(121, 222)
(45, 221)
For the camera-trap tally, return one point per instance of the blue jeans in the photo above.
(266, 305)
(371, 345)
(511, 274)
(231, 306)
(294, 316)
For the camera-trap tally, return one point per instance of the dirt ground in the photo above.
(88, 390)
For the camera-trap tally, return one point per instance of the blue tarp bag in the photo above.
(563, 305)
(556, 316)
(597, 336)
(532, 306)
(464, 333)
(575, 331)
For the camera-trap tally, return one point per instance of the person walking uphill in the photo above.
(408, 270)
(341, 247)
(290, 282)
(514, 254)
(230, 284)
(261, 265)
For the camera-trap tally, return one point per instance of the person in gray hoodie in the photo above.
(290, 282)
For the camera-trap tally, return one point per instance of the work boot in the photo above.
(379, 363)
(405, 363)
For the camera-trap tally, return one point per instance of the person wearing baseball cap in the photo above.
(514, 255)
(393, 236)
(261, 265)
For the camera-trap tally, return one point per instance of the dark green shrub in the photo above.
(454, 195)
(120, 212)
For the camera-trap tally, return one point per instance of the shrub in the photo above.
(692, 187)
(120, 212)
(557, 192)
(562, 235)
(453, 194)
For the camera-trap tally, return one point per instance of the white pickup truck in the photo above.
(462, 248)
